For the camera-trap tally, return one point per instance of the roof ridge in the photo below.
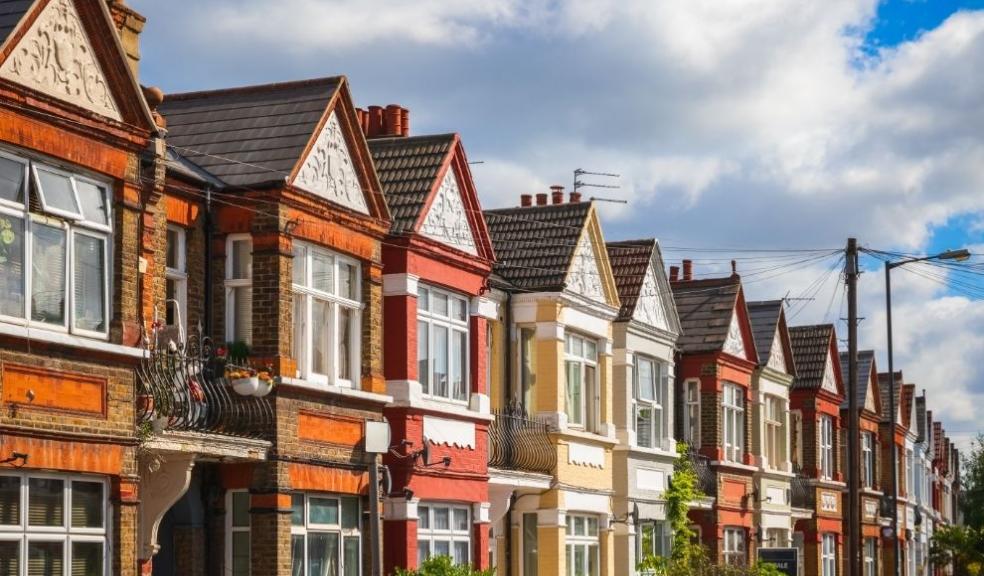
(252, 88)
(495, 211)
(389, 139)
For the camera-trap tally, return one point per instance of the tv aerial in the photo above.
(579, 184)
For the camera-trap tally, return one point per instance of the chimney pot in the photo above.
(541, 199)
(376, 121)
(674, 273)
(526, 200)
(575, 197)
(405, 121)
(394, 121)
(557, 194)
(734, 268)
(688, 270)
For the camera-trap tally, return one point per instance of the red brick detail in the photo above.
(329, 428)
(69, 456)
(323, 479)
(33, 387)
(400, 337)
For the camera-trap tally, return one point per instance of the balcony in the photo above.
(183, 388)
(802, 494)
(706, 481)
(517, 442)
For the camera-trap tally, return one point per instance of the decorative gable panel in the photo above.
(869, 398)
(829, 380)
(55, 57)
(734, 344)
(584, 276)
(446, 220)
(328, 170)
(777, 356)
(649, 307)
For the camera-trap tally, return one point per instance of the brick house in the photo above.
(895, 444)
(80, 181)
(275, 224)
(437, 259)
(816, 397)
(714, 369)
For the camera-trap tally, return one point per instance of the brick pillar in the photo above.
(399, 534)
(606, 550)
(480, 534)
(126, 501)
(270, 553)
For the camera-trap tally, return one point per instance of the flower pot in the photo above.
(246, 386)
(145, 404)
(265, 387)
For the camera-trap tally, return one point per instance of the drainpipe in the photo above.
(208, 261)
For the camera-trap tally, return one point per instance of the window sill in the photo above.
(734, 465)
(408, 394)
(66, 339)
(777, 473)
(649, 451)
(343, 391)
(591, 436)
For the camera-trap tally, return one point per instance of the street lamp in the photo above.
(957, 256)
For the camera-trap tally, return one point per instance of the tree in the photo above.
(972, 485)
(959, 546)
(443, 566)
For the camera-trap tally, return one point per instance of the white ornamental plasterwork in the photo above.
(584, 277)
(829, 380)
(55, 57)
(328, 170)
(777, 359)
(649, 307)
(869, 398)
(734, 344)
(446, 220)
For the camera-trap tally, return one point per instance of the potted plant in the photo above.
(243, 380)
(267, 381)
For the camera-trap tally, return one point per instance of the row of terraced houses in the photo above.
(262, 331)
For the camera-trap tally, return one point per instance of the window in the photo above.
(444, 530)
(327, 316)
(325, 535)
(775, 432)
(54, 258)
(691, 414)
(530, 544)
(733, 549)
(828, 555)
(733, 419)
(796, 439)
(652, 539)
(582, 546)
(527, 367)
(442, 344)
(868, 459)
(239, 288)
(53, 524)
(237, 533)
(870, 557)
(776, 538)
(649, 399)
(826, 447)
(908, 472)
(176, 280)
(582, 382)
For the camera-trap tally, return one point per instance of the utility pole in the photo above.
(851, 273)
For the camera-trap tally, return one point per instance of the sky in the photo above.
(734, 125)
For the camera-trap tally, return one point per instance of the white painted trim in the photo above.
(409, 394)
(585, 455)
(480, 512)
(650, 480)
(485, 308)
(42, 335)
(549, 331)
(400, 284)
(584, 502)
(399, 508)
(589, 323)
(339, 390)
(458, 433)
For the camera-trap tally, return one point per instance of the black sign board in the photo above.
(785, 559)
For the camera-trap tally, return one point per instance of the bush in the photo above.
(443, 566)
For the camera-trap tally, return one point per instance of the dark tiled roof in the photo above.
(866, 359)
(407, 169)
(908, 399)
(705, 308)
(11, 12)
(251, 135)
(883, 390)
(921, 418)
(764, 317)
(811, 345)
(630, 260)
(534, 245)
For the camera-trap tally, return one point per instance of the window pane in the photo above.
(644, 426)
(423, 551)
(322, 554)
(460, 555)
(170, 302)
(577, 347)
(593, 561)
(297, 555)
(93, 200)
(591, 409)
(173, 245)
(298, 265)
(242, 320)
(11, 266)
(10, 500)
(579, 526)
(240, 553)
(423, 343)
(344, 343)
(440, 360)
(11, 180)
(459, 359)
(423, 300)
(242, 259)
(423, 517)
(45, 559)
(579, 564)
(297, 509)
(87, 559)
(90, 283)
(322, 272)
(350, 513)
(646, 380)
(530, 539)
(46, 502)
(442, 548)
(353, 554)
(87, 505)
(573, 399)
(346, 281)
(57, 192)
(461, 520)
(592, 524)
(48, 277)
(9, 555)
(439, 304)
(442, 519)
(320, 323)
(322, 511)
(460, 310)
(240, 509)
(590, 350)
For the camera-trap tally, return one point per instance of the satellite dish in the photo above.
(378, 436)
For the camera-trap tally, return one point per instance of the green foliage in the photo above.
(972, 485)
(961, 546)
(443, 566)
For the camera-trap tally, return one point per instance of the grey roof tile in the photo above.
(705, 308)
(866, 360)
(811, 345)
(407, 169)
(11, 12)
(764, 317)
(630, 261)
(883, 390)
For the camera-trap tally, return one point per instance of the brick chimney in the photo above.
(129, 24)
(526, 200)
(379, 122)
(688, 270)
(556, 194)
(541, 199)
(575, 197)
(674, 273)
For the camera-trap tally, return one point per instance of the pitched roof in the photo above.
(883, 390)
(811, 346)
(11, 12)
(534, 245)
(908, 399)
(630, 261)
(407, 168)
(705, 308)
(921, 418)
(251, 135)
(866, 359)
(764, 318)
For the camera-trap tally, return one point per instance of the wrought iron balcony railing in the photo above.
(182, 387)
(706, 481)
(801, 493)
(517, 442)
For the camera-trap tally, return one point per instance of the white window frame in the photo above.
(455, 327)
(691, 411)
(589, 402)
(658, 405)
(307, 527)
(526, 367)
(661, 539)
(870, 553)
(826, 446)
(66, 534)
(231, 529)
(231, 284)
(734, 547)
(179, 275)
(828, 555)
(868, 459)
(303, 331)
(585, 544)
(733, 422)
(428, 534)
(774, 424)
(71, 224)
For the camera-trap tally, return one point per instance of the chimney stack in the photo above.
(734, 268)
(688, 270)
(575, 197)
(541, 199)
(674, 273)
(526, 200)
(379, 122)
(557, 194)
(129, 24)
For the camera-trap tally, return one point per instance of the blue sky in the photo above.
(754, 124)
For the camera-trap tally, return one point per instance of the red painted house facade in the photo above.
(437, 260)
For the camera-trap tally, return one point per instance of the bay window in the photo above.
(176, 280)
(828, 555)
(325, 535)
(442, 344)
(733, 548)
(826, 447)
(691, 412)
(581, 403)
(239, 288)
(53, 523)
(63, 239)
(444, 530)
(327, 316)
(650, 401)
(582, 546)
(733, 419)
(775, 432)
(868, 459)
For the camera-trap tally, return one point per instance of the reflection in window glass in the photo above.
(46, 502)
(48, 278)
(11, 180)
